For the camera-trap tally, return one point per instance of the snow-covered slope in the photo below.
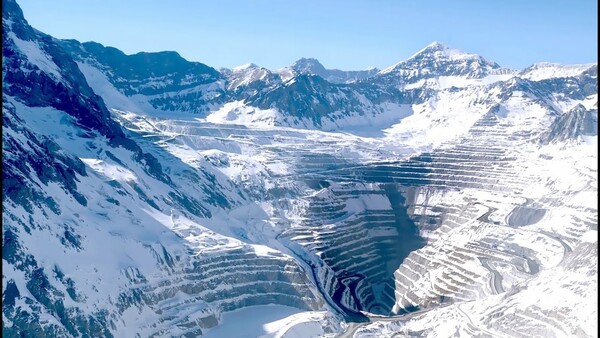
(104, 235)
(438, 60)
(545, 70)
(145, 195)
(493, 210)
(514, 271)
(160, 82)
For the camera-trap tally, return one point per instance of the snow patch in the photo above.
(546, 70)
(37, 56)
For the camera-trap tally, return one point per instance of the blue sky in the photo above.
(345, 35)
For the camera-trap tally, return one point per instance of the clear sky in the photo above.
(347, 35)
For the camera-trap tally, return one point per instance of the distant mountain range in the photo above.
(308, 95)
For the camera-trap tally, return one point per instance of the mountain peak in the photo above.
(245, 66)
(435, 45)
(439, 50)
(307, 60)
(314, 67)
(308, 65)
(438, 59)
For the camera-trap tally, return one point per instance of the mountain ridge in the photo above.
(378, 94)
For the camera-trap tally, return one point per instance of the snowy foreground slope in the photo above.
(149, 196)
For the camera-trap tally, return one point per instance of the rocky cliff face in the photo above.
(573, 125)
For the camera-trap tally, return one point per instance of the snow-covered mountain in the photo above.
(160, 82)
(436, 60)
(312, 66)
(147, 195)
(306, 97)
(106, 235)
(545, 70)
